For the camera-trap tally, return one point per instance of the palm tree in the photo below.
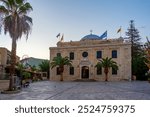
(107, 63)
(14, 20)
(44, 66)
(60, 62)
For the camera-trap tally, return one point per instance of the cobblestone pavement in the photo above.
(48, 90)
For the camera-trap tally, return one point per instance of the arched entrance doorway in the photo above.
(85, 72)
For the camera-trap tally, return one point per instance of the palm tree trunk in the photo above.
(106, 74)
(13, 62)
(61, 70)
(61, 76)
(106, 77)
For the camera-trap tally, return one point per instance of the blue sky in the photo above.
(75, 18)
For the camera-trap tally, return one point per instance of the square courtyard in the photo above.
(51, 90)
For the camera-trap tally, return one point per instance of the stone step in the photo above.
(85, 80)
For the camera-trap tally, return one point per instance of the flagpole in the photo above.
(59, 38)
(120, 31)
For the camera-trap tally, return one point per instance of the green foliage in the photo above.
(20, 67)
(60, 62)
(107, 63)
(44, 66)
(134, 37)
(26, 75)
(15, 21)
(139, 67)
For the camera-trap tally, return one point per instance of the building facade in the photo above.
(34, 62)
(31, 61)
(5, 59)
(85, 54)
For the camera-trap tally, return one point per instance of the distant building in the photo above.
(85, 54)
(31, 61)
(5, 59)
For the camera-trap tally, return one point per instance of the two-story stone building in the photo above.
(85, 54)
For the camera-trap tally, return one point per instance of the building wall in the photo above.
(92, 46)
(5, 57)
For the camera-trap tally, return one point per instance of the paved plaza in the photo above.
(50, 90)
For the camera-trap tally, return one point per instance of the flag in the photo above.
(62, 38)
(119, 30)
(58, 35)
(103, 35)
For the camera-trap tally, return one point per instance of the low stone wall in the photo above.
(4, 84)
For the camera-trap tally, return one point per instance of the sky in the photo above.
(75, 19)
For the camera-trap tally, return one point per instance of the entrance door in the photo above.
(85, 72)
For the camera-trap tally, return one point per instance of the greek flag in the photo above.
(104, 35)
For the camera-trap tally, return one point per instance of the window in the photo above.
(58, 54)
(58, 72)
(114, 54)
(99, 54)
(114, 71)
(99, 71)
(85, 54)
(71, 70)
(71, 56)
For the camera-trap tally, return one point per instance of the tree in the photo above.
(139, 69)
(107, 63)
(147, 49)
(44, 66)
(20, 68)
(60, 62)
(134, 38)
(14, 20)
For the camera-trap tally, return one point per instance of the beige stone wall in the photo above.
(91, 46)
(3, 56)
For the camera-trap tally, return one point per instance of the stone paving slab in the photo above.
(50, 90)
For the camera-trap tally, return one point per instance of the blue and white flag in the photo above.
(104, 35)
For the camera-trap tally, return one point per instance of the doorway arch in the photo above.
(85, 72)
